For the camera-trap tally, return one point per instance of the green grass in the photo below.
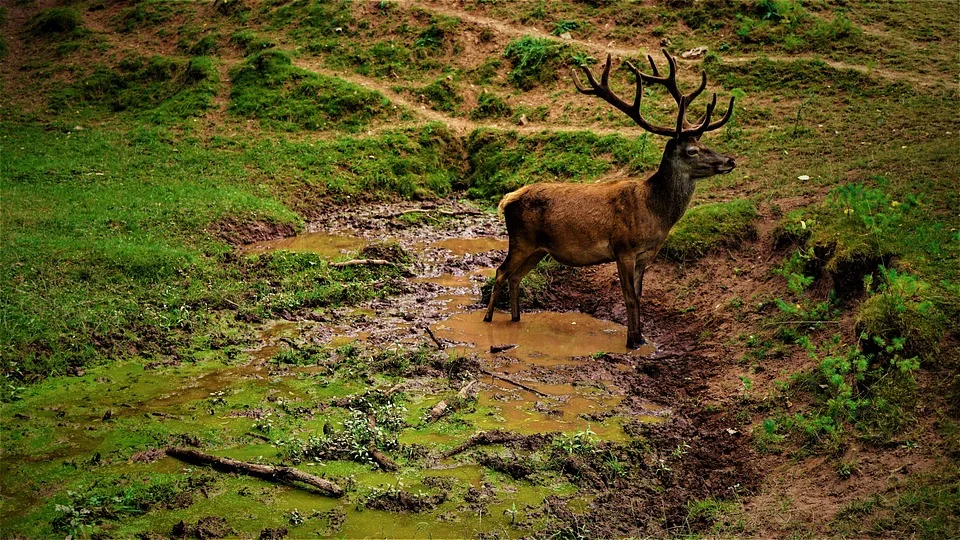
(107, 248)
(163, 89)
(710, 226)
(56, 22)
(269, 87)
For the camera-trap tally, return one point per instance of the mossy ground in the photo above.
(119, 177)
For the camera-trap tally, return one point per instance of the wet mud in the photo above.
(591, 429)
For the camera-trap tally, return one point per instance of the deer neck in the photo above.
(671, 189)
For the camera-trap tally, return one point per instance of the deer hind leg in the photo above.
(511, 264)
(627, 270)
(514, 280)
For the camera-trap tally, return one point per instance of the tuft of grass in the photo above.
(490, 105)
(250, 42)
(706, 227)
(60, 21)
(536, 61)
(902, 309)
(268, 86)
(443, 95)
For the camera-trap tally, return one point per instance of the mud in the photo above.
(556, 377)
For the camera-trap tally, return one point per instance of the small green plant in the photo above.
(562, 27)
(535, 61)
(581, 442)
(490, 105)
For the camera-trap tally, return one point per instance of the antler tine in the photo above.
(605, 76)
(698, 129)
(726, 117)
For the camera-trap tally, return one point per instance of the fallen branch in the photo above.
(383, 460)
(267, 472)
(437, 411)
(430, 333)
(515, 383)
(500, 348)
(363, 262)
(487, 437)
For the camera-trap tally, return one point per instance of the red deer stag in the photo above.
(624, 222)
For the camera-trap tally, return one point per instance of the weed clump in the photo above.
(709, 226)
(442, 94)
(535, 61)
(901, 310)
(269, 87)
(60, 21)
(490, 105)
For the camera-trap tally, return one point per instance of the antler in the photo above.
(683, 128)
(602, 89)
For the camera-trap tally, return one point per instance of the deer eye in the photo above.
(692, 151)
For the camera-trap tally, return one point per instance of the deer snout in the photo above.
(728, 165)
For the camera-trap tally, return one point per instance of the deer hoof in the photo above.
(636, 343)
(487, 318)
(515, 319)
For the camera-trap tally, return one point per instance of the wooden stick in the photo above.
(515, 383)
(362, 262)
(430, 333)
(267, 472)
(383, 460)
(487, 437)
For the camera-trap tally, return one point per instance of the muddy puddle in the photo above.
(547, 374)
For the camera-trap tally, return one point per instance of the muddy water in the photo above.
(542, 340)
(326, 245)
(464, 246)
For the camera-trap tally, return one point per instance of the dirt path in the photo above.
(459, 124)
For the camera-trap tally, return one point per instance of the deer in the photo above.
(624, 221)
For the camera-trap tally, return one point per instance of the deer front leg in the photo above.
(510, 265)
(626, 270)
(515, 279)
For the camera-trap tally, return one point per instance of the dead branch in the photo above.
(515, 383)
(287, 475)
(362, 262)
(500, 348)
(383, 460)
(430, 333)
(487, 437)
(438, 411)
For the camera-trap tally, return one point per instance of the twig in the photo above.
(266, 472)
(439, 343)
(263, 438)
(515, 383)
(362, 262)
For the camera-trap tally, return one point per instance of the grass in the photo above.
(113, 256)
(707, 227)
(164, 89)
(269, 87)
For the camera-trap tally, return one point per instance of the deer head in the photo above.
(684, 154)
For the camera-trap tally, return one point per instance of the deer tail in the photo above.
(509, 198)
